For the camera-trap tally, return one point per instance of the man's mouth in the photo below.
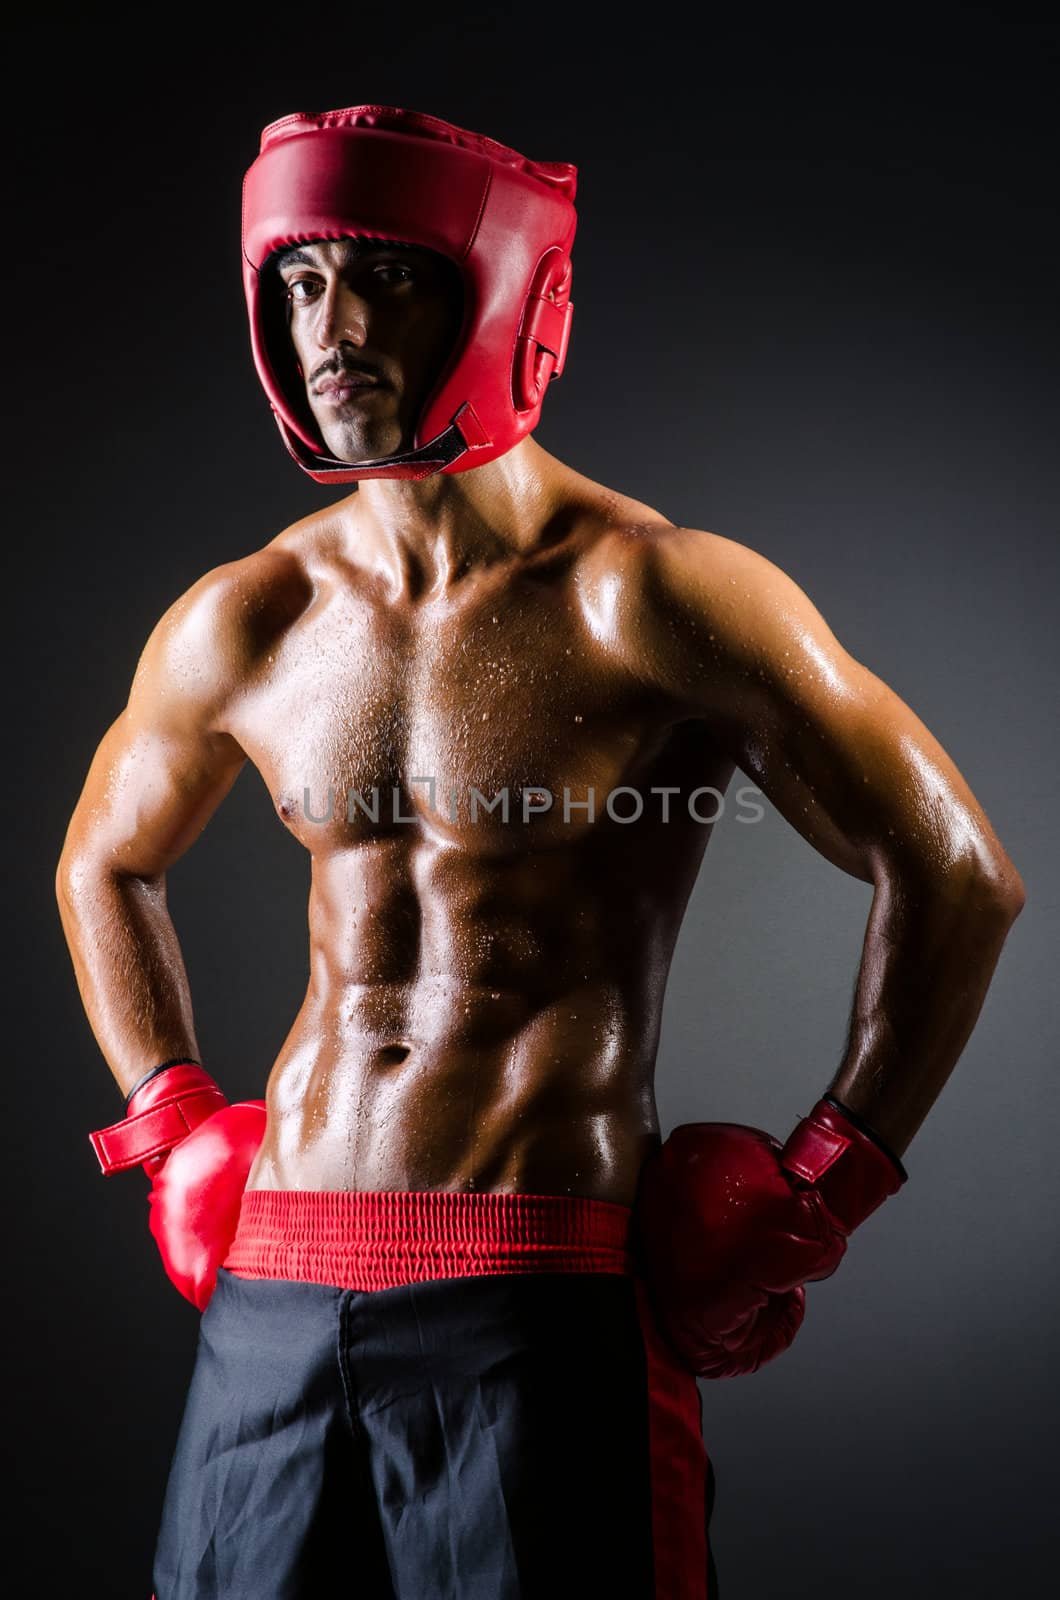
(346, 386)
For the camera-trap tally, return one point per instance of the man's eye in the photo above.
(402, 273)
(300, 290)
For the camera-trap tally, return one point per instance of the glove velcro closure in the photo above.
(852, 1173)
(168, 1106)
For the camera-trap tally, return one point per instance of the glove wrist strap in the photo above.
(163, 1108)
(850, 1167)
(870, 1133)
(153, 1072)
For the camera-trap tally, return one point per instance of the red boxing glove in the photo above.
(198, 1151)
(730, 1225)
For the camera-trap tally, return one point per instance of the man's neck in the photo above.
(429, 534)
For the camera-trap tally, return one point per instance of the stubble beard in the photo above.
(357, 439)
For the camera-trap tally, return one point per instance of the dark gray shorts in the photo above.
(501, 1437)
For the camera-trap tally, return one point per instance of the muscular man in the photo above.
(456, 1289)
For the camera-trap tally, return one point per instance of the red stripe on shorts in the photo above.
(678, 1465)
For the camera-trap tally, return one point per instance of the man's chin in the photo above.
(357, 447)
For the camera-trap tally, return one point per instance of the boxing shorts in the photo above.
(435, 1396)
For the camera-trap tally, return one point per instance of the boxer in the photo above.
(456, 1289)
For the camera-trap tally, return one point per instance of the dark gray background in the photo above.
(815, 312)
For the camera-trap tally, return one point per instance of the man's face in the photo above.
(371, 324)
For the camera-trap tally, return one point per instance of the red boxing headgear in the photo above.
(507, 222)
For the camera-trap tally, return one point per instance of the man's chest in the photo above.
(361, 719)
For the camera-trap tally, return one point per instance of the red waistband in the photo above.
(379, 1239)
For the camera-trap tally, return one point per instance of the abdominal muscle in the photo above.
(482, 1015)
(476, 1090)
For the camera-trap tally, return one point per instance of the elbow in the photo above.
(75, 875)
(66, 878)
(84, 873)
(987, 887)
(997, 882)
(995, 886)
(63, 875)
(1010, 890)
(70, 877)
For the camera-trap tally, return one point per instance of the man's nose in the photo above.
(342, 318)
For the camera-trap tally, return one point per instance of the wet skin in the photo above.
(485, 994)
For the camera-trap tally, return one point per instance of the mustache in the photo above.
(349, 368)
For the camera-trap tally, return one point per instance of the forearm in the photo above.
(129, 967)
(927, 962)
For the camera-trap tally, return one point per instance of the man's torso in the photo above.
(485, 994)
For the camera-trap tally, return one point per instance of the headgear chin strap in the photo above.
(507, 222)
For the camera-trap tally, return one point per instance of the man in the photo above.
(456, 1293)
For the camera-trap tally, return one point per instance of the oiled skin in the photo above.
(485, 997)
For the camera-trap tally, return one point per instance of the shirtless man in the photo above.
(499, 705)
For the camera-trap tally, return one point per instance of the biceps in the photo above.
(147, 797)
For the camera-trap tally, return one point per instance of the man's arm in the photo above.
(161, 770)
(733, 639)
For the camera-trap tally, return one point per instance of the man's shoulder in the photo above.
(684, 609)
(208, 639)
(646, 547)
(255, 593)
(651, 567)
